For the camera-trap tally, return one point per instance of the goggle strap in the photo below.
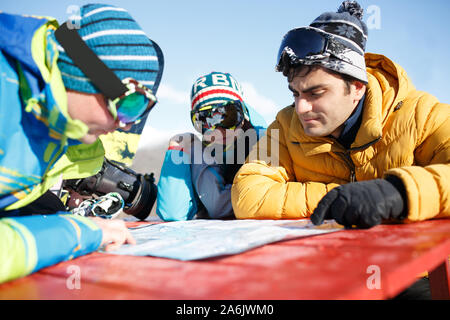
(88, 62)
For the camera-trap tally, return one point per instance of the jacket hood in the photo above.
(29, 41)
(388, 86)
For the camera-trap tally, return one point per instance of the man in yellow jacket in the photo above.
(360, 144)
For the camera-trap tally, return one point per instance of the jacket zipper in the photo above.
(348, 160)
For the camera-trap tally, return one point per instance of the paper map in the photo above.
(200, 239)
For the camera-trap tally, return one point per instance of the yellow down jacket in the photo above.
(404, 132)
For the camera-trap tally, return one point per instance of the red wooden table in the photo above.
(352, 264)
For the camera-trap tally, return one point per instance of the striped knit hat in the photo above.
(346, 25)
(214, 88)
(113, 35)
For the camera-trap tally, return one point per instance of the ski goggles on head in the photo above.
(128, 100)
(227, 115)
(307, 45)
(107, 206)
(134, 104)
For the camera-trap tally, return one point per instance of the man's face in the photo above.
(92, 110)
(322, 101)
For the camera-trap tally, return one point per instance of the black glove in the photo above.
(364, 204)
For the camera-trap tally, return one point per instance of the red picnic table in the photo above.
(377, 263)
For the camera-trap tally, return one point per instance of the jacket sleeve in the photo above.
(176, 199)
(30, 243)
(266, 188)
(427, 183)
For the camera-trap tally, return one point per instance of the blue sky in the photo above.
(242, 37)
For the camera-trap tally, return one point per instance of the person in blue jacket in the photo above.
(61, 87)
(197, 174)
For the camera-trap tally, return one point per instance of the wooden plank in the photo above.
(341, 265)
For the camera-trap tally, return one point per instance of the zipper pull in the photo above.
(352, 176)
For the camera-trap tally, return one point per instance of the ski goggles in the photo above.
(128, 100)
(227, 115)
(307, 45)
(108, 206)
(132, 105)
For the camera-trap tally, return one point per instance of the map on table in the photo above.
(200, 239)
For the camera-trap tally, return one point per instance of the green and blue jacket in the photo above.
(38, 145)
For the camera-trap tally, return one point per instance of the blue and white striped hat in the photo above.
(115, 37)
(347, 27)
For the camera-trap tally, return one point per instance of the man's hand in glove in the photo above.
(364, 204)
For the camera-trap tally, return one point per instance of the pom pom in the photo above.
(353, 8)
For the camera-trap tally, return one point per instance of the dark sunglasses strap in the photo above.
(88, 62)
